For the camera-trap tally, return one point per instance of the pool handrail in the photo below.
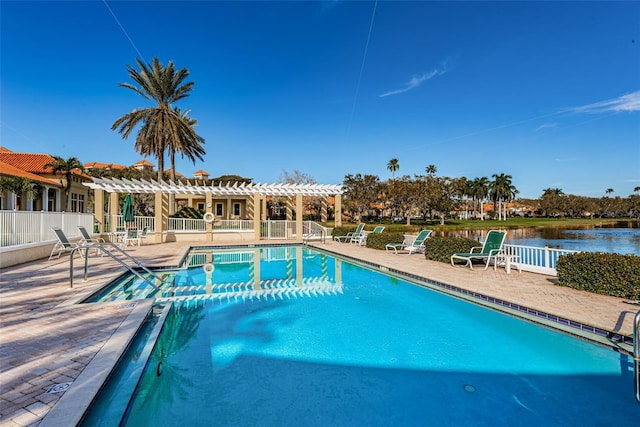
(636, 355)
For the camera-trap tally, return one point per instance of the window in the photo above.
(74, 202)
(219, 209)
(200, 206)
(236, 209)
(80, 202)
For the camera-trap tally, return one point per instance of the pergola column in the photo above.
(299, 217)
(323, 210)
(208, 209)
(338, 210)
(256, 217)
(113, 212)
(98, 209)
(159, 228)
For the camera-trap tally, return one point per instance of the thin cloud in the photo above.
(416, 81)
(628, 102)
(547, 126)
(568, 159)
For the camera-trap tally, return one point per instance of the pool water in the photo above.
(291, 336)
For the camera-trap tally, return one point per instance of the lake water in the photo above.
(622, 237)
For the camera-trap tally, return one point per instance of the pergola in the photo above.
(254, 193)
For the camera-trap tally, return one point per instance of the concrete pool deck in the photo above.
(47, 342)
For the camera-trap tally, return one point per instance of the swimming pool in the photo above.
(293, 336)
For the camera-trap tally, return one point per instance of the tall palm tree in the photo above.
(431, 170)
(393, 166)
(66, 167)
(609, 191)
(184, 144)
(480, 191)
(162, 126)
(502, 191)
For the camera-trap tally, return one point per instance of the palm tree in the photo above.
(17, 185)
(636, 189)
(480, 191)
(66, 167)
(552, 192)
(431, 169)
(393, 166)
(163, 126)
(609, 191)
(502, 191)
(192, 151)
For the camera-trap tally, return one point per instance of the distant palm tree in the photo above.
(502, 191)
(431, 169)
(163, 127)
(66, 167)
(480, 191)
(636, 189)
(393, 166)
(609, 191)
(552, 192)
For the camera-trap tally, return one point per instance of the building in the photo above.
(47, 191)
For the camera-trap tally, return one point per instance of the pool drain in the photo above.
(469, 388)
(159, 369)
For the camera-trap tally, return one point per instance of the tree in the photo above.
(360, 192)
(479, 192)
(17, 185)
(66, 167)
(552, 202)
(163, 127)
(187, 144)
(393, 166)
(501, 191)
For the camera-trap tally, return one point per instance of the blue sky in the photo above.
(547, 92)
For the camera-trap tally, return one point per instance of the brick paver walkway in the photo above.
(45, 340)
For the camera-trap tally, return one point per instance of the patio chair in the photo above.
(62, 245)
(411, 244)
(362, 239)
(354, 234)
(88, 240)
(131, 237)
(491, 247)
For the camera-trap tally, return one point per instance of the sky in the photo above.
(547, 92)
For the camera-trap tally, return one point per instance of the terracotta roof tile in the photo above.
(9, 170)
(33, 163)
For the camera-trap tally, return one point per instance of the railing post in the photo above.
(547, 262)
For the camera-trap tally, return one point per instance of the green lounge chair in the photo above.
(411, 244)
(362, 239)
(491, 247)
(347, 237)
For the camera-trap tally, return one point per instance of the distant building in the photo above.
(48, 188)
(143, 165)
(201, 174)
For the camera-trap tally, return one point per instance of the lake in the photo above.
(622, 237)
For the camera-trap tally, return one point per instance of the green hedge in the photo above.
(441, 248)
(601, 273)
(380, 240)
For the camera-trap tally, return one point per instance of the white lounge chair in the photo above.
(411, 244)
(351, 235)
(362, 239)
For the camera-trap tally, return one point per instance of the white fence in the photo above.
(139, 222)
(536, 260)
(23, 227)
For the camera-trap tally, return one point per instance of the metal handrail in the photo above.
(636, 355)
(101, 246)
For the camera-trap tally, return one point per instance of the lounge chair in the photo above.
(354, 234)
(88, 240)
(491, 247)
(411, 244)
(63, 244)
(362, 239)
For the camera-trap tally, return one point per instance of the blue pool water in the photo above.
(290, 336)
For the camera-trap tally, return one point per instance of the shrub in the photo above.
(601, 273)
(380, 240)
(441, 248)
(342, 231)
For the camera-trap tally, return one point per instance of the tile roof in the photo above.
(100, 165)
(33, 163)
(9, 170)
(143, 163)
